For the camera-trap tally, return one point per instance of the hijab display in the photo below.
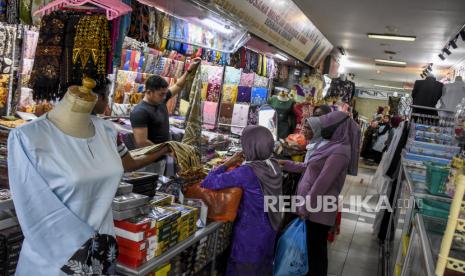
(258, 144)
(75, 167)
(286, 119)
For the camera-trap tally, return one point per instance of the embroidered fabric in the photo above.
(213, 92)
(209, 114)
(239, 118)
(232, 75)
(247, 79)
(259, 96)
(244, 93)
(229, 93)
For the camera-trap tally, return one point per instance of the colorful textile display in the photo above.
(244, 93)
(232, 75)
(229, 93)
(226, 113)
(247, 79)
(239, 118)
(259, 95)
(213, 92)
(209, 114)
(193, 129)
(260, 81)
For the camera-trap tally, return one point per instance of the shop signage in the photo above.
(283, 24)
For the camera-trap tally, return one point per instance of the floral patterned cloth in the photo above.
(229, 93)
(260, 81)
(209, 114)
(239, 118)
(213, 92)
(247, 79)
(244, 94)
(226, 113)
(259, 95)
(96, 257)
(232, 75)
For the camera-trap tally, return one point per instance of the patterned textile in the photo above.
(97, 257)
(239, 118)
(302, 111)
(244, 94)
(247, 79)
(12, 11)
(30, 44)
(209, 114)
(203, 95)
(139, 28)
(45, 73)
(213, 92)
(341, 89)
(259, 96)
(260, 81)
(232, 75)
(193, 129)
(253, 115)
(69, 76)
(229, 93)
(226, 112)
(215, 74)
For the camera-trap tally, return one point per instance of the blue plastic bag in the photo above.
(291, 253)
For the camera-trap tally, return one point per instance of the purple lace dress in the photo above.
(253, 237)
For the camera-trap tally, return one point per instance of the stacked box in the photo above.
(187, 221)
(162, 199)
(129, 205)
(166, 223)
(11, 240)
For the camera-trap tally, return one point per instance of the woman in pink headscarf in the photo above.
(323, 177)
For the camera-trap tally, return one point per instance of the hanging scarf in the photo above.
(193, 127)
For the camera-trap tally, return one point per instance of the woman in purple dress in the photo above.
(255, 231)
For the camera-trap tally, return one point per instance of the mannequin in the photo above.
(427, 93)
(72, 114)
(452, 94)
(286, 119)
(394, 102)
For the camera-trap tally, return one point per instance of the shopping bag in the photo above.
(291, 253)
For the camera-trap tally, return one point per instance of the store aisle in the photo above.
(355, 250)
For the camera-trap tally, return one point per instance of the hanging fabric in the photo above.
(229, 93)
(239, 118)
(247, 79)
(244, 94)
(193, 129)
(209, 114)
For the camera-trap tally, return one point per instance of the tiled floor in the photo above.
(355, 250)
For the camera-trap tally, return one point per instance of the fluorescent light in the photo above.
(391, 61)
(219, 27)
(387, 86)
(392, 37)
(281, 57)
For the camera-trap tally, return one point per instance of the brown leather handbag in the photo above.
(222, 204)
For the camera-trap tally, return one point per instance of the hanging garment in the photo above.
(69, 76)
(302, 112)
(52, 170)
(209, 114)
(239, 118)
(226, 113)
(316, 85)
(215, 74)
(229, 93)
(285, 114)
(25, 12)
(260, 81)
(243, 94)
(213, 92)
(46, 70)
(12, 11)
(193, 130)
(452, 94)
(232, 75)
(259, 95)
(394, 105)
(341, 89)
(247, 79)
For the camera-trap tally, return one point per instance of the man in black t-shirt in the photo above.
(150, 118)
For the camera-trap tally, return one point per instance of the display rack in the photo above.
(157, 262)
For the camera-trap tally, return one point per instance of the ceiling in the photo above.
(346, 23)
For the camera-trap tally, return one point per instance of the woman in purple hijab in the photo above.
(255, 230)
(323, 177)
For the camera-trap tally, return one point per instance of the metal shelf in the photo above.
(171, 253)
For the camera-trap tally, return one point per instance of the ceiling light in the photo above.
(281, 57)
(453, 44)
(392, 37)
(441, 56)
(391, 61)
(390, 87)
(447, 51)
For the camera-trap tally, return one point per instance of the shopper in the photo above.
(321, 110)
(150, 118)
(394, 123)
(254, 230)
(324, 176)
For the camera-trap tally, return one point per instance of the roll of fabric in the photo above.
(259, 96)
(244, 94)
(209, 114)
(229, 93)
(239, 118)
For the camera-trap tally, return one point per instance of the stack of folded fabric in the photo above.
(11, 240)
